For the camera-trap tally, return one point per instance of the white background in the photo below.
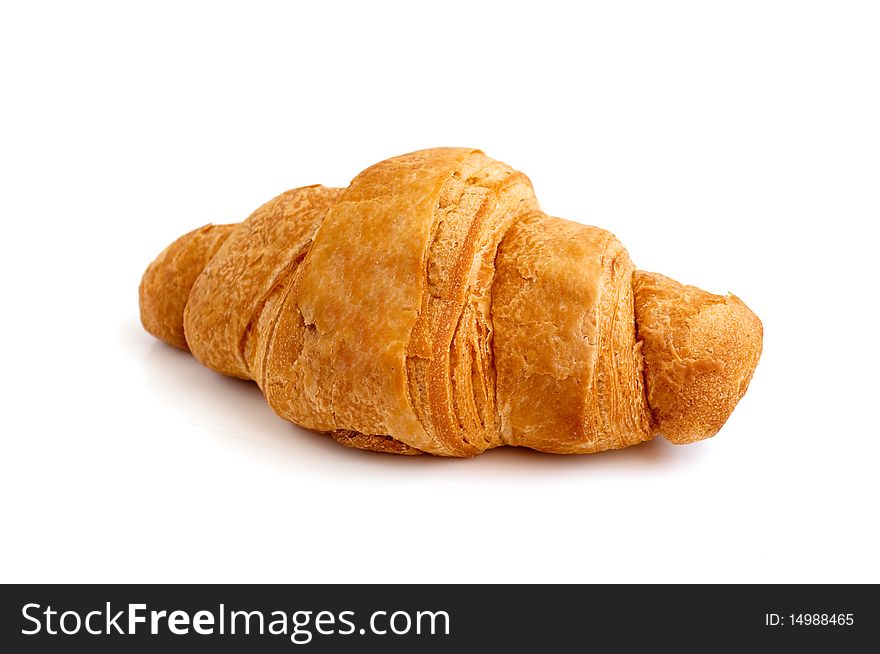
(734, 146)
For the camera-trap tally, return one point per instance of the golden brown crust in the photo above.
(450, 368)
(700, 353)
(569, 371)
(166, 284)
(358, 297)
(432, 307)
(227, 297)
(373, 443)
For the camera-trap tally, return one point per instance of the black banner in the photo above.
(279, 618)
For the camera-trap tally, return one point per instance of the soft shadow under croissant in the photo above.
(432, 307)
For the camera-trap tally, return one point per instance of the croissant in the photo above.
(432, 306)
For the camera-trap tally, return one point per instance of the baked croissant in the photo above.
(432, 307)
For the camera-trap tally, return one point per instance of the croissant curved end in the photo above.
(166, 284)
(700, 351)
